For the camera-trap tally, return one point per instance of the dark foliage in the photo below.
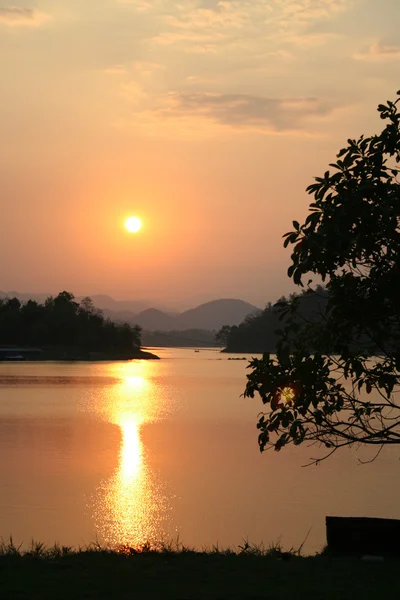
(260, 331)
(63, 322)
(346, 389)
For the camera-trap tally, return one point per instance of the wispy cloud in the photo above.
(116, 70)
(243, 110)
(141, 87)
(185, 112)
(313, 39)
(141, 5)
(14, 16)
(216, 23)
(379, 52)
(237, 16)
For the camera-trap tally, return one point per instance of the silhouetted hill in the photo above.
(215, 314)
(63, 329)
(25, 296)
(103, 302)
(153, 319)
(209, 316)
(258, 332)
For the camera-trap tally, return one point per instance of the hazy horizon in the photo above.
(148, 302)
(205, 118)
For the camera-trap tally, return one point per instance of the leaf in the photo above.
(283, 355)
(350, 240)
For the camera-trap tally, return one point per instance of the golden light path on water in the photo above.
(131, 507)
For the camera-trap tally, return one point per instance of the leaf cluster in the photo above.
(346, 387)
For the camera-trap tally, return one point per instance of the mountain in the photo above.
(102, 301)
(155, 320)
(106, 302)
(258, 333)
(209, 316)
(215, 314)
(25, 296)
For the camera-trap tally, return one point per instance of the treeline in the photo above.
(257, 333)
(62, 322)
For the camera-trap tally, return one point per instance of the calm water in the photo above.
(136, 451)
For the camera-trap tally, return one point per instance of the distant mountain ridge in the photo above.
(210, 315)
(102, 301)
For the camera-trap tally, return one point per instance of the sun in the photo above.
(133, 224)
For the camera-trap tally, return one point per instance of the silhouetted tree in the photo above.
(62, 322)
(222, 336)
(259, 332)
(345, 391)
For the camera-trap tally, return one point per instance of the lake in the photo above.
(127, 452)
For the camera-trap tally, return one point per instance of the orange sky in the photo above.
(205, 118)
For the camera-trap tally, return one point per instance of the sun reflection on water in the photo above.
(131, 452)
(134, 507)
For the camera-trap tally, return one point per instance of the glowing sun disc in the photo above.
(133, 224)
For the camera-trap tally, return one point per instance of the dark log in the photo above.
(358, 536)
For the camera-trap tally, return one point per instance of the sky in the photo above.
(205, 118)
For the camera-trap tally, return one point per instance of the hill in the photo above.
(153, 319)
(258, 332)
(63, 329)
(208, 316)
(215, 314)
(104, 302)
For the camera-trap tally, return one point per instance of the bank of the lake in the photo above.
(61, 353)
(189, 575)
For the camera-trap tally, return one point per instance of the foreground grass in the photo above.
(179, 573)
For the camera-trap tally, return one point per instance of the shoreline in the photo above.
(76, 355)
(174, 571)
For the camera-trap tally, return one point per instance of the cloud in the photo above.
(312, 10)
(313, 39)
(379, 52)
(244, 111)
(221, 22)
(14, 16)
(229, 65)
(143, 83)
(115, 70)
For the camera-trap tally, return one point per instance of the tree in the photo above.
(335, 380)
(63, 323)
(258, 331)
(222, 336)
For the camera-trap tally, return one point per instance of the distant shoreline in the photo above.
(246, 351)
(73, 355)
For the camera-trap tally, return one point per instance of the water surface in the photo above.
(142, 450)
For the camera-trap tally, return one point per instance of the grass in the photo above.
(176, 572)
